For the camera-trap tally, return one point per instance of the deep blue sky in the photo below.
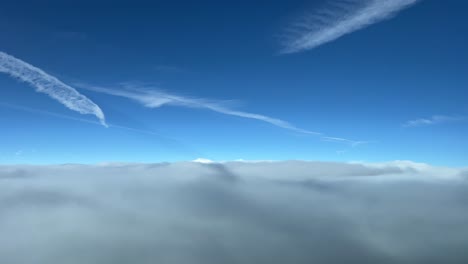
(363, 86)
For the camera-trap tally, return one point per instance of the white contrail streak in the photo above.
(45, 83)
(155, 99)
(174, 142)
(341, 17)
(44, 112)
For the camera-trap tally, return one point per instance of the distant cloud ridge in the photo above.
(53, 87)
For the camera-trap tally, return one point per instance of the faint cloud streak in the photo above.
(434, 120)
(155, 98)
(339, 18)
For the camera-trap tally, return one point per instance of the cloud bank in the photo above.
(233, 212)
(339, 18)
(434, 120)
(155, 98)
(45, 83)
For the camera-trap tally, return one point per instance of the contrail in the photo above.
(48, 113)
(156, 98)
(339, 18)
(45, 83)
(174, 143)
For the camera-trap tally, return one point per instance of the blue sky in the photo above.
(398, 87)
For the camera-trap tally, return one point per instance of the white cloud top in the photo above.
(233, 212)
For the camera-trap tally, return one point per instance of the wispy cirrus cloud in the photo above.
(433, 120)
(47, 84)
(353, 143)
(155, 98)
(339, 18)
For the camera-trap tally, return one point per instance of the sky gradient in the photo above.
(237, 80)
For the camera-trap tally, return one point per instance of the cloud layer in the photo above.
(234, 212)
(45, 83)
(339, 18)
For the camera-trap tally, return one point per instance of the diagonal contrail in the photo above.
(155, 99)
(82, 120)
(45, 83)
(339, 18)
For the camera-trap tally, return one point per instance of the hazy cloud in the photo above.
(434, 120)
(233, 212)
(53, 87)
(338, 18)
(170, 69)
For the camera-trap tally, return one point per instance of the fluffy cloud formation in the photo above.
(233, 212)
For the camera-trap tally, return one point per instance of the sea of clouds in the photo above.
(233, 212)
